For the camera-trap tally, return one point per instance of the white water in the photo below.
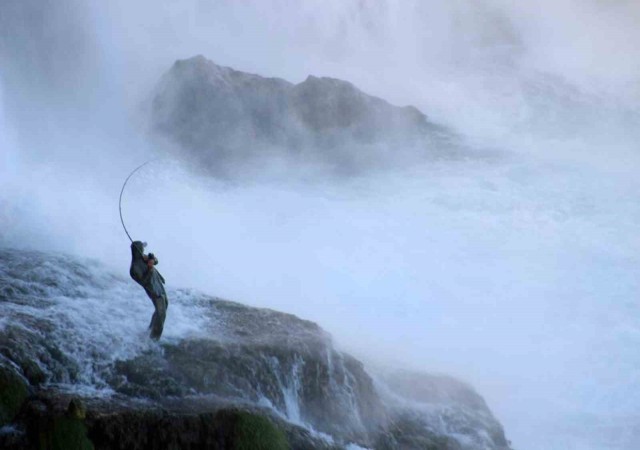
(93, 319)
(518, 274)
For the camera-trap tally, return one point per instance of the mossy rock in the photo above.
(13, 392)
(76, 409)
(255, 432)
(62, 433)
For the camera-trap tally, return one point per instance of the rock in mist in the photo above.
(221, 117)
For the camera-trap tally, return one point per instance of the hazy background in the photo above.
(518, 273)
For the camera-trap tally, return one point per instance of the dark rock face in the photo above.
(13, 392)
(121, 425)
(220, 115)
(77, 376)
(308, 382)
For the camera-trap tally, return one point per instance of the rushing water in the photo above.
(516, 271)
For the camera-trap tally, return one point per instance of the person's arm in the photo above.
(152, 257)
(152, 268)
(151, 261)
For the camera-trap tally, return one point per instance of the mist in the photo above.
(516, 272)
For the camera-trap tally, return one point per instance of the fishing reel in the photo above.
(152, 257)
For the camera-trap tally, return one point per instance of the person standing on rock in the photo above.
(144, 273)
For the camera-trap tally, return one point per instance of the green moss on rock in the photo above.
(76, 409)
(255, 432)
(62, 433)
(13, 392)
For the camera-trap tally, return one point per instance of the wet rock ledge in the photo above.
(74, 376)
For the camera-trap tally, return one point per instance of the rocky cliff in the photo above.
(220, 116)
(77, 371)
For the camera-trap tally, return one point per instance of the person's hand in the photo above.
(150, 263)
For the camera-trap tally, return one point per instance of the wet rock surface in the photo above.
(240, 377)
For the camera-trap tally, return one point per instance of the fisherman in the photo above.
(144, 273)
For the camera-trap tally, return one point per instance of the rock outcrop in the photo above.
(221, 116)
(77, 371)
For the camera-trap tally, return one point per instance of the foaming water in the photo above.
(517, 274)
(92, 324)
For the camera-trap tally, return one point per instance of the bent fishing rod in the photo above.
(122, 192)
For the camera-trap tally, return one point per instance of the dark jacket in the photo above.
(149, 279)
